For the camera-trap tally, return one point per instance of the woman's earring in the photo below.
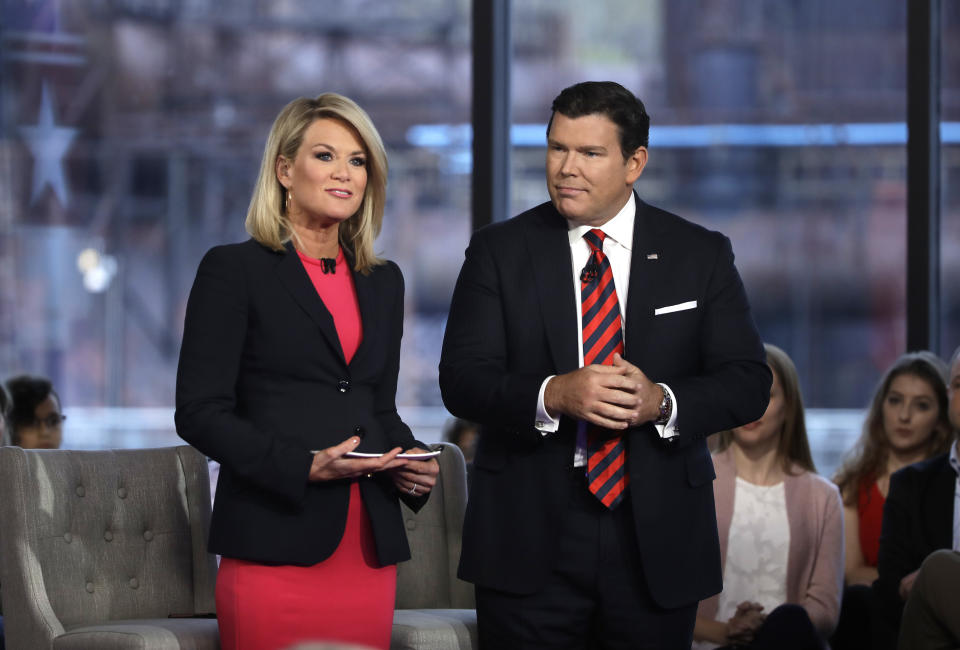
(289, 196)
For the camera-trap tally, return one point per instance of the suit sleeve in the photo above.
(822, 598)
(386, 396)
(733, 387)
(386, 393)
(210, 362)
(475, 382)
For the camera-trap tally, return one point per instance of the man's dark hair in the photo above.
(613, 101)
(27, 392)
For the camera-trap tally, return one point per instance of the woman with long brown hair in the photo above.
(907, 422)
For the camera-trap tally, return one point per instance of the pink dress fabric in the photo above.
(340, 297)
(348, 597)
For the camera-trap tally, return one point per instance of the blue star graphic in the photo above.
(48, 143)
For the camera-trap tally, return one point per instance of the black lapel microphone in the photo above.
(328, 265)
(591, 271)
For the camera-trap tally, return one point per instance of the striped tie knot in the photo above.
(595, 238)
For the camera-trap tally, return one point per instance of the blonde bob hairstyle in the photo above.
(267, 219)
(794, 447)
(867, 461)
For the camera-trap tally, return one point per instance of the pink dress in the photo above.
(348, 597)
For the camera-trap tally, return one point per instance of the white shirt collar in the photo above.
(954, 460)
(619, 229)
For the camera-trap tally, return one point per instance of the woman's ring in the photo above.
(413, 490)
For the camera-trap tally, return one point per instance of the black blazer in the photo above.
(513, 322)
(262, 380)
(917, 520)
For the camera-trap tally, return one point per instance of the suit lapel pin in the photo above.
(653, 256)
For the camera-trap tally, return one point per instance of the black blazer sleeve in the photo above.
(477, 381)
(732, 384)
(213, 339)
(398, 433)
(385, 406)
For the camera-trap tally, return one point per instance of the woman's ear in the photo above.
(283, 172)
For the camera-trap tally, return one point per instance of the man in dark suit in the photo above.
(919, 517)
(591, 519)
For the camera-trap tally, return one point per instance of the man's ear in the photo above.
(635, 164)
(283, 172)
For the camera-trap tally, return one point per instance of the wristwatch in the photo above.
(666, 406)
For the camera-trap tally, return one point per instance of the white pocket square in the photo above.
(692, 304)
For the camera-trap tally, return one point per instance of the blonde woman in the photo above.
(781, 531)
(289, 363)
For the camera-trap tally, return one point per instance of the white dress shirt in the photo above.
(617, 246)
(955, 464)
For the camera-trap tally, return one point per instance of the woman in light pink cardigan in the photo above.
(781, 532)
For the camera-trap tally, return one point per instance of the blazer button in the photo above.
(343, 385)
(359, 431)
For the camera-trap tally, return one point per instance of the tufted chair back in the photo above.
(434, 608)
(98, 548)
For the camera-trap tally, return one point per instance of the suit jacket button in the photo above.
(343, 385)
(359, 431)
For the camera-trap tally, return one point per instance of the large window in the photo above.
(950, 179)
(781, 125)
(130, 137)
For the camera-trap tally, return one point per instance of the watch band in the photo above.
(666, 406)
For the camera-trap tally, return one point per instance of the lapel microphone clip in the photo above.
(589, 272)
(592, 270)
(328, 265)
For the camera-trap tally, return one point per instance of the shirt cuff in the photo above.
(668, 430)
(545, 423)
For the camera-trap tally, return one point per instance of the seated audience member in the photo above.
(907, 422)
(931, 617)
(463, 434)
(919, 517)
(35, 419)
(781, 531)
(5, 404)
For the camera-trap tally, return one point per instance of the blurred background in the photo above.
(131, 131)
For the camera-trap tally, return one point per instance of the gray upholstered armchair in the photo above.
(435, 609)
(99, 548)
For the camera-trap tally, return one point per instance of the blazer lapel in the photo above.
(549, 249)
(295, 280)
(646, 272)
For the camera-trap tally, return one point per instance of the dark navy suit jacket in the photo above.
(513, 323)
(917, 520)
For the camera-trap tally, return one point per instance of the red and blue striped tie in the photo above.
(602, 337)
